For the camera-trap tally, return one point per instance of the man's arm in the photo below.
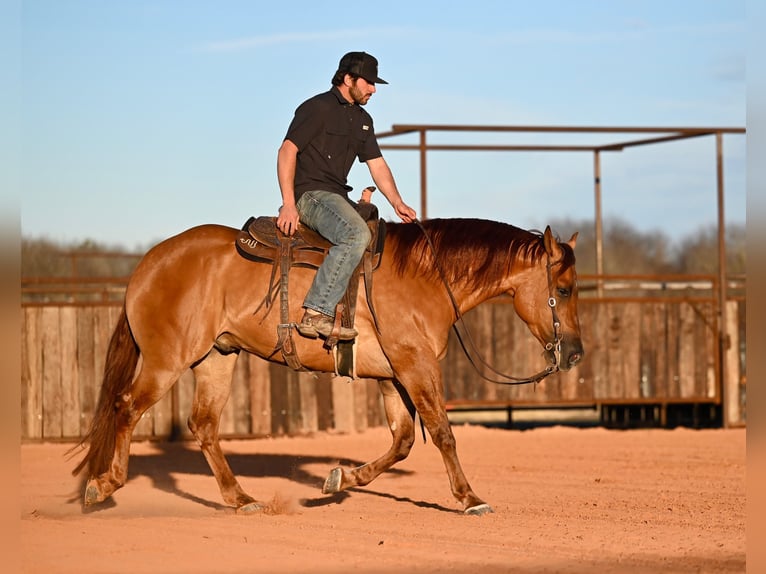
(384, 179)
(287, 157)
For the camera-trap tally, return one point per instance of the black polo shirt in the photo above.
(330, 134)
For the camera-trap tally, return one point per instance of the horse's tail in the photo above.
(120, 366)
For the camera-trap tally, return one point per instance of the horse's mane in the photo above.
(477, 252)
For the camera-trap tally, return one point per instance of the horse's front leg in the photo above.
(400, 414)
(424, 385)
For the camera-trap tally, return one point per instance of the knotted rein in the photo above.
(469, 347)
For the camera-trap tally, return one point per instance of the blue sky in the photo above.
(143, 118)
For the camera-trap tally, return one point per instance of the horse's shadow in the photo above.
(185, 458)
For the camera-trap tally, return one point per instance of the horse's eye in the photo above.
(563, 292)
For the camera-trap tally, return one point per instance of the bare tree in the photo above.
(699, 252)
(629, 251)
(626, 251)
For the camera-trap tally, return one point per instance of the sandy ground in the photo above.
(565, 500)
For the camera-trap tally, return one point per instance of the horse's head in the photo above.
(546, 300)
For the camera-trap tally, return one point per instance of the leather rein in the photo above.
(469, 347)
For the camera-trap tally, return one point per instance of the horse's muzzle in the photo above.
(572, 353)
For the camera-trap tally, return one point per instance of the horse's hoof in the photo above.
(332, 484)
(479, 510)
(92, 495)
(251, 508)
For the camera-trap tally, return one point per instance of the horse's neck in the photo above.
(469, 298)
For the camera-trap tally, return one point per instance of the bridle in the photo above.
(469, 347)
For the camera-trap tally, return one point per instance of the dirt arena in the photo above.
(565, 499)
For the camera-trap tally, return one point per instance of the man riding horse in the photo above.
(329, 131)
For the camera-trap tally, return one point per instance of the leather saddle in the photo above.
(261, 241)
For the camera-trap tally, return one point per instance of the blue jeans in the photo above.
(335, 219)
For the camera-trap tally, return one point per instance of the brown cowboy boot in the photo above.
(315, 323)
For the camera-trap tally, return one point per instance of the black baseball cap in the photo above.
(360, 64)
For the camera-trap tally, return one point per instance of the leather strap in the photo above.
(332, 340)
(285, 328)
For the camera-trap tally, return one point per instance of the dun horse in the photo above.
(193, 302)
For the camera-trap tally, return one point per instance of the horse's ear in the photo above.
(552, 247)
(573, 240)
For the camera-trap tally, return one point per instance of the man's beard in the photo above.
(357, 95)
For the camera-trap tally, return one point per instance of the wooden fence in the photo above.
(63, 351)
(640, 351)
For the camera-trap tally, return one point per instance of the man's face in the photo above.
(361, 91)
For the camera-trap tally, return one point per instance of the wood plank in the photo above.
(260, 395)
(31, 375)
(376, 415)
(86, 367)
(294, 412)
(732, 379)
(325, 414)
(454, 368)
(360, 405)
(235, 418)
(576, 384)
(630, 352)
(305, 402)
(686, 351)
(307, 386)
(710, 349)
(482, 331)
(239, 400)
(659, 384)
(503, 345)
(342, 405)
(70, 383)
(279, 399)
(598, 352)
(24, 376)
(52, 396)
(650, 341)
(673, 326)
(241, 395)
(572, 382)
(664, 377)
(616, 375)
(516, 363)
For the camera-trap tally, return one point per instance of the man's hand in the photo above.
(405, 212)
(287, 221)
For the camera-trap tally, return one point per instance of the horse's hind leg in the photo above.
(148, 387)
(213, 376)
(400, 414)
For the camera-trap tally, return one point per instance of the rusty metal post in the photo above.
(598, 221)
(423, 178)
(723, 339)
